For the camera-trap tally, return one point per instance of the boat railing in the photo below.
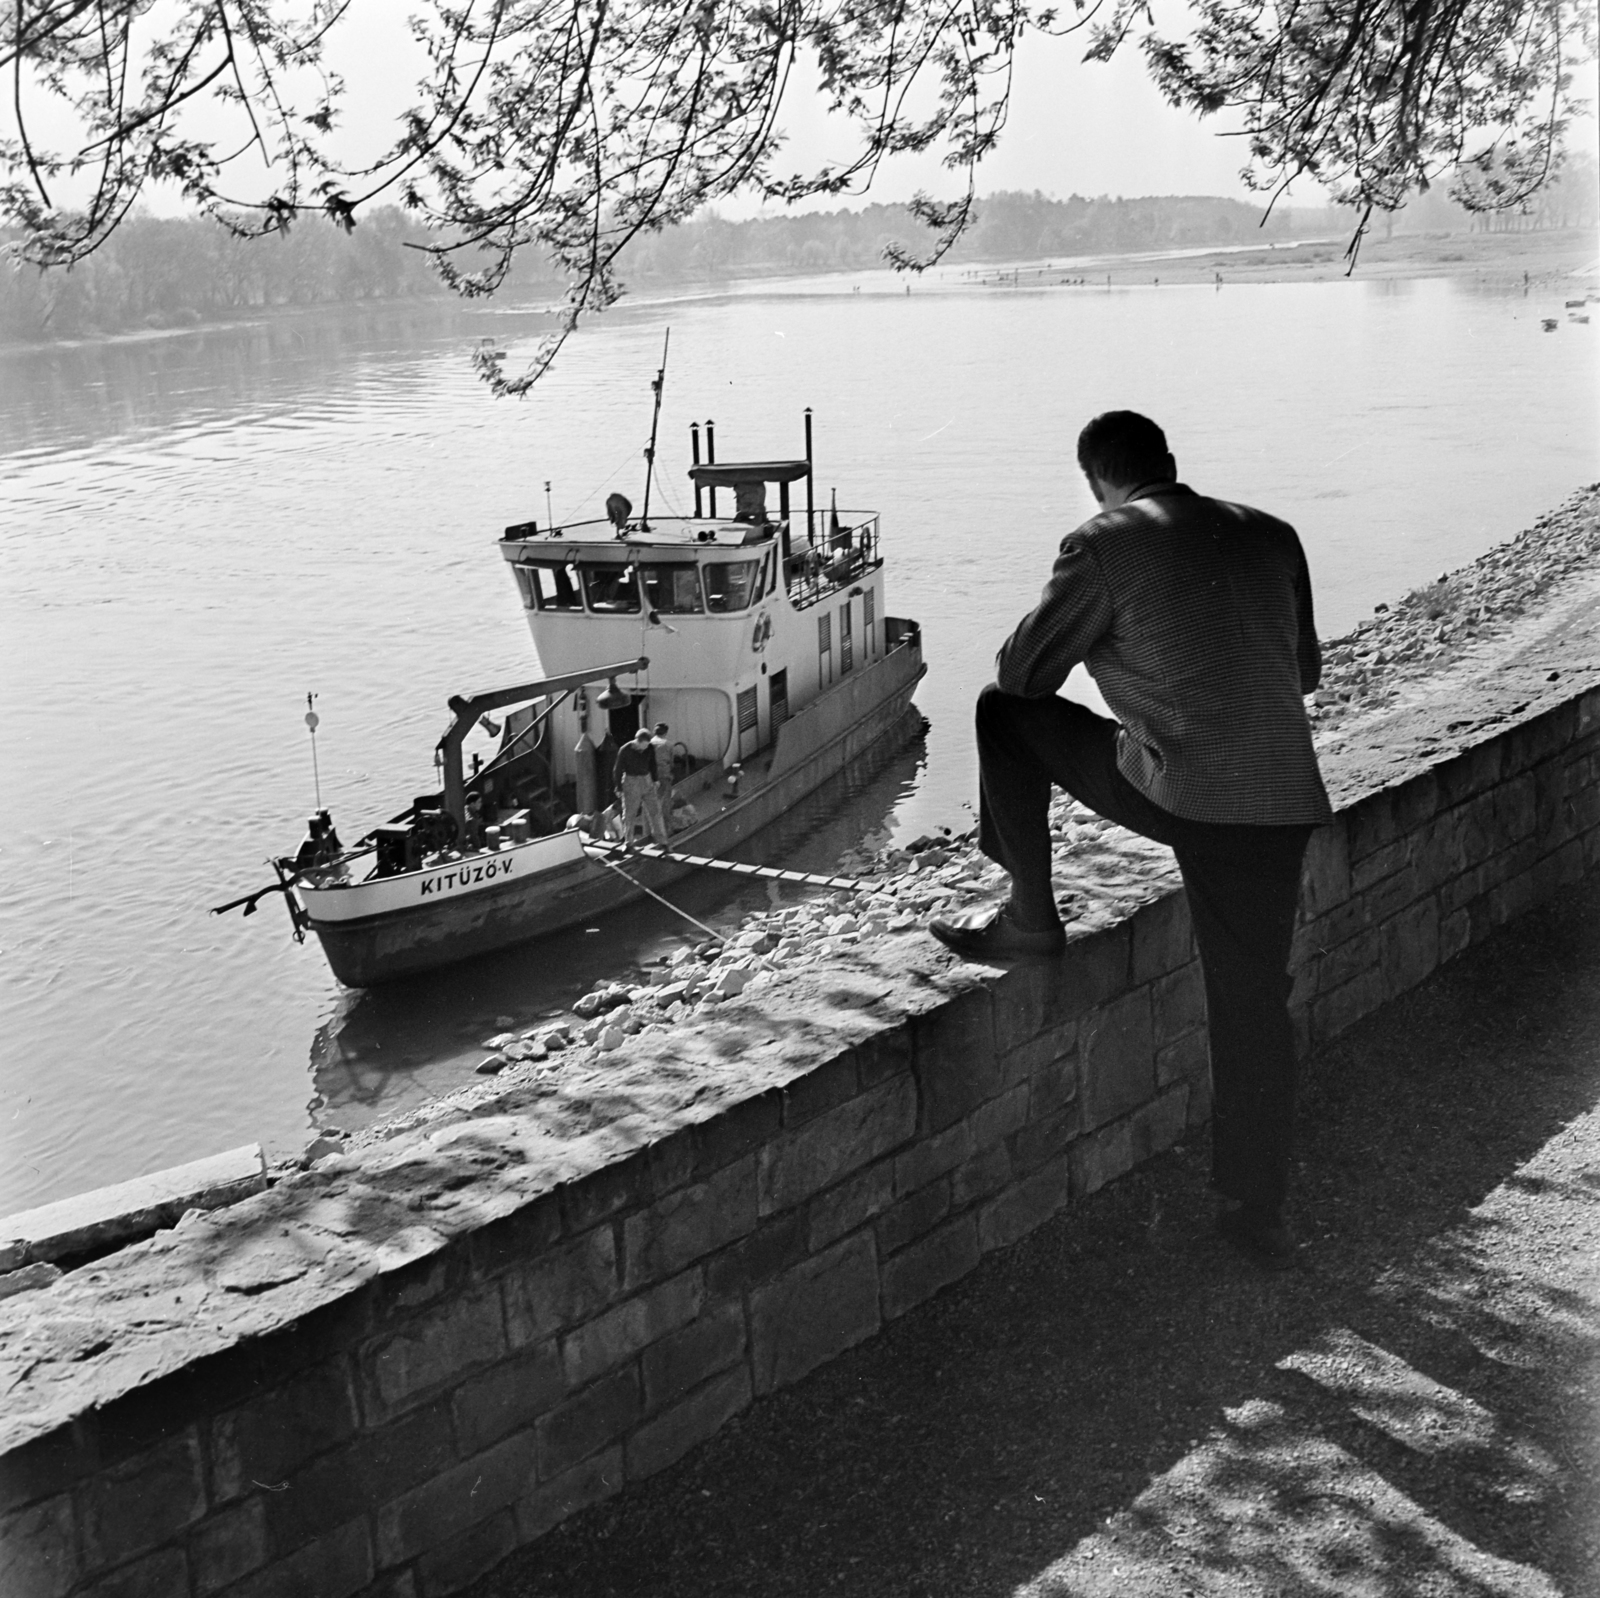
(845, 548)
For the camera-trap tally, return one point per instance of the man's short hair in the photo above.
(661, 726)
(1124, 448)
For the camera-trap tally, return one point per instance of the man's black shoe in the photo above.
(1260, 1237)
(984, 935)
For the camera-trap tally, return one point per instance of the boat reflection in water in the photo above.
(392, 1047)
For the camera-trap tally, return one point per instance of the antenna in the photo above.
(650, 452)
(549, 515)
(312, 719)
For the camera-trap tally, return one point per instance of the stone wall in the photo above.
(386, 1372)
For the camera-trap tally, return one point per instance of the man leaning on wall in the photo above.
(1195, 618)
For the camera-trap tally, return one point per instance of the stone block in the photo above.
(1025, 1205)
(1409, 945)
(507, 1396)
(1177, 1004)
(518, 1237)
(1029, 999)
(691, 1355)
(1369, 824)
(934, 1261)
(154, 1576)
(736, 1131)
(1344, 962)
(956, 1064)
(1040, 1141)
(1455, 935)
(270, 1438)
(1472, 772)
(371, 1469)
(431, 1350)
(825, 1086)
(460, 1561)
(836, 1143)
(227, 1546)
(1416, 801)
(666, 1439)
(687, 1225)
(1162, 938)
(670, 1161)
(1185, 1057)
(571, 1283)
(1514, 809)
(1325, 877)
(931, 1157)
(997, 1119)
(334, 1566)
(776, 1243)
(445, 1506)
(38, 1554)
(884, 1055)
(984, 1174)
(614, 1337)
(1436, 849)
(141, 1502)
(912, 1216)
(1382, 862)
(1024, 1062)
(849, 1204)
(1160, 1124)
(623, 1185)
(588, 1422)
(1053, 1085)
(585, 1484)
(1118, 1054)
(1512, 898)
(1199, 1105)
(1101, 1156)
(48, 1465)
(1389, 897)
(822, 1307)
(1540, 737)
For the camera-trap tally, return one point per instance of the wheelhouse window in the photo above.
(611, 590)
(731, 584)
(672, 590)
(548, 585)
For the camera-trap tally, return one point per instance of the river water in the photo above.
(197, 529)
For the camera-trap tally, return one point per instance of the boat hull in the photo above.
(414, 927)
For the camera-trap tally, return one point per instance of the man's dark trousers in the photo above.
(1243, 883)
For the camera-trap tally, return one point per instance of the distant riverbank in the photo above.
(1495, 260)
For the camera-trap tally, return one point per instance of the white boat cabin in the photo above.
(746, 611)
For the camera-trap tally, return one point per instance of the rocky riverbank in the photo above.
(1464, 620)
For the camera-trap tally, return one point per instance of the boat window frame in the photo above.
(641, 566)
(627, 574)
(752, 585)
(525, 569)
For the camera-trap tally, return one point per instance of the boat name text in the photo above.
(466, 876)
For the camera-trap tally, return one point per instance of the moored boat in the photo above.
(758, 634)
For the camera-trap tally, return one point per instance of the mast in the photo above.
(655, 420)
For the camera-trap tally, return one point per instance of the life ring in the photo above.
(761, 633)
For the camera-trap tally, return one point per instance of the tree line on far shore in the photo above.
(169, 272)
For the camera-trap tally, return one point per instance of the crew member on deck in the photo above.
(635, 774)
(661, 747)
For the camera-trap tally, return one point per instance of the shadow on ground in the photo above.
(975, 1444)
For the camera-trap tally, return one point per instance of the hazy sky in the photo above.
(1075, 127)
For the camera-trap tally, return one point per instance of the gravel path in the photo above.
(1117, 1405)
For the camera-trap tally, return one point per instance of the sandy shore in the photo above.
(1492, 260)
